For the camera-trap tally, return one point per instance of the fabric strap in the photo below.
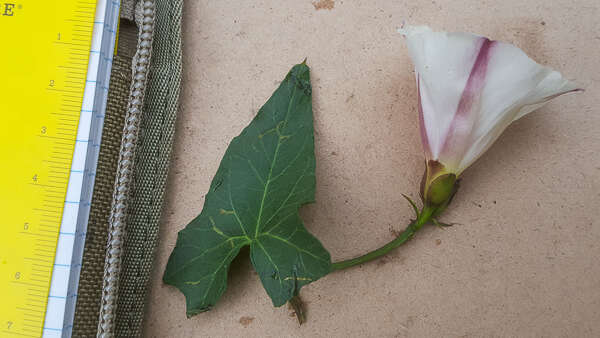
(92, 269)
(152, 165)
(144, 199)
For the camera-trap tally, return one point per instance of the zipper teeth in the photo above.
(124, 175)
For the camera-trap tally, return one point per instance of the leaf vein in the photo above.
(291, 193)
(192, 260)
(295, 246)
(232, 205)
(262, 202)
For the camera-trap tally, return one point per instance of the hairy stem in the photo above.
(423, 218)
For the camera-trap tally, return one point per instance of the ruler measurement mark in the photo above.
(69, 74)
(58, 138)
(48, 223)
(32, 234)
(82, 30)
(78, 20)
(67, 104)
(56, 180)
(73, 81)
(53, 205)
(54, 227)
(63, 177)
(33, 303)
(30, 320)
(41, 296)
(52, 233)
(45, 249)
(61, 133)
(68, 114)
(48, 216)
(38, 296)
(81, 15)
(54, 166)
(62, 90)
(32, 325)
(75, 87)
(61, 170)
(62, 152)
(34, 319)
(44, 243)
(74, 73)
(66, 125)
(83, 11)
(46, 270)
(70, 44)
(67, 121)
(34, 285)
(39, 265)
(59, 173)
(30, 310)
(53, 219)
(37, 259)
(52, 245)
(19, 334)
(77, 39)
(53, 194)
(78, 55)
(47, 210)
(62, 125)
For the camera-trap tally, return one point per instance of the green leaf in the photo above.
(266, 174)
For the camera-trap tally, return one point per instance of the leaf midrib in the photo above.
(266, 189)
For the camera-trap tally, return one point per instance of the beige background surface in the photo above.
(524, 259)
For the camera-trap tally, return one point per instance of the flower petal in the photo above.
(443, 62)
(471, 89)
(515, 85)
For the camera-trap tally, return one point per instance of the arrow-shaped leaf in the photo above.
(266, 174)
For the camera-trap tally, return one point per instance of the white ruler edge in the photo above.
(62, 298)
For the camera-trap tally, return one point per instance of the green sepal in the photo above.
(441, 189)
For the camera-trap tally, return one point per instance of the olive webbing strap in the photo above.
(85, 323)
(152, 161)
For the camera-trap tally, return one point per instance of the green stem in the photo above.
(423, 218)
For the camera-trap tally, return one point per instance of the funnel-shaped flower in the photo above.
(470, 89)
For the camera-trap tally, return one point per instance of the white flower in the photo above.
(470, 89)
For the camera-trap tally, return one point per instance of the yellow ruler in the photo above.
(43, 65)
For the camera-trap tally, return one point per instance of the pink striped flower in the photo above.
(470, 89)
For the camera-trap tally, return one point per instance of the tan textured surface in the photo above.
(524, 259)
